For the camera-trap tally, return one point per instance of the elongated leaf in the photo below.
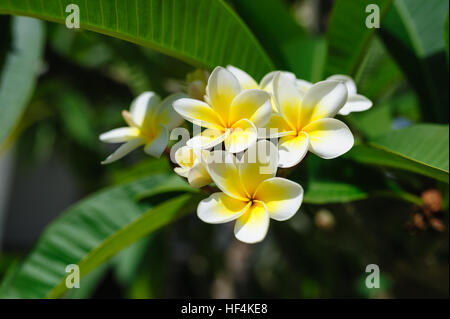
(127, 262)
(324, 192)
(91, 232)
(337, 181)
(255, 13)
(284, 39)
(201, 32)
(446, 36)
(421, 148)
(19, 72)
(90, 283)
(374, 122)
(306, 57)
(353, 188)
(347, 35)
(413, 31)
(378, 75)
(380, 119)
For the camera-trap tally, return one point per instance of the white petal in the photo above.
(120, 135)
(157, 146)
(182, 171)
(207, 139)
(281, 196)
(303, 85)
(185, 157)
(287, 98)
(257, 164)
(266, 82)
(252, 226)
(329, 138)
(219, 208)
(197, 112)
(254, 105)
(324, 99)
(246, 81)
(123, 150)
(166, 114)
(348, 81)
(222, 88)
(198, 176)
(223, 169)
(292, 149)
(243, 134)
(356, 103)
(143, 105)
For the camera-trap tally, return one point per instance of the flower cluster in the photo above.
(249, 130)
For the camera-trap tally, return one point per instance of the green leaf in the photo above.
(337, 181)
(421, 148)
(347, 35)
(306, 57)
(324, 192)
(91, 232)
(76, 116)
(378, 75)
(414, 34)
(201, 32)
(127, 262)
(255, 14)
(19, 71)
(90, 283)
(284, 39)
(141, 169)
(342, 181)
(380, 118)
(446, 35)
(373, 122)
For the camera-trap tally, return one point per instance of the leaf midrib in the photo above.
(388, 150)
(184, 56)
(60, 288)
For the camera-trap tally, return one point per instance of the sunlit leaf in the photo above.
(337, 181)
(378, 75)
(422, 148)
(284, 39)
(347, 35)
(91, 232)
(323, 192)
(201, 32)
(413, 31)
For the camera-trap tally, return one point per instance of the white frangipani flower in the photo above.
(355, 102)
(266, 83)
(251, 194)
(305, 120)
(192, 166)
(231, 114)
(149, 122)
